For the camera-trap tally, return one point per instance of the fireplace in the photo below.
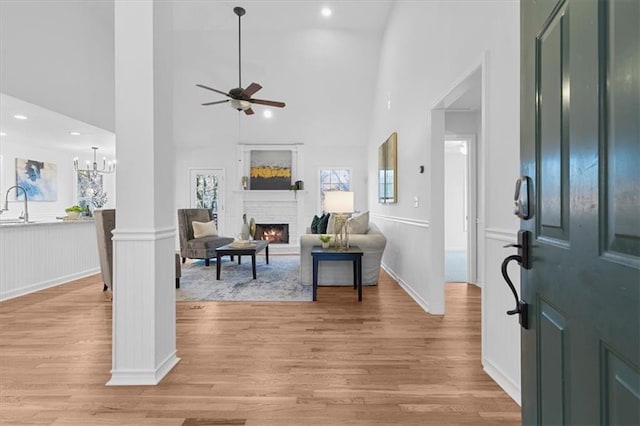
(276, 233)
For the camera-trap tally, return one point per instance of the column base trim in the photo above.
(143, 377)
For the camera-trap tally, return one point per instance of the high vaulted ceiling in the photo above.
(281, 15)
(323, 68)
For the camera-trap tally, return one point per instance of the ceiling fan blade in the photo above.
(249, 91)
(248, 111)
(216, 102)
(214, 90)
(269, 103)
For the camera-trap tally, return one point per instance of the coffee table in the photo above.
(251, 250)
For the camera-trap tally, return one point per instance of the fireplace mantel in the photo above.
(271, 195)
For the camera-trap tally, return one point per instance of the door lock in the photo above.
(521, 198)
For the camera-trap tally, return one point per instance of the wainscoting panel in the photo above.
(40, 255)
(407, 258)
(500, 332)
(144, 346)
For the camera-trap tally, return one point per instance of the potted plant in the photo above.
(73, 212)
(325, 240)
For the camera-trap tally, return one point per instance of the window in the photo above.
(334, 180)
(206, 186)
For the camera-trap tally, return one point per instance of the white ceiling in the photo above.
(48, 129)
(299, 56)
(281, 15)
(467, 96)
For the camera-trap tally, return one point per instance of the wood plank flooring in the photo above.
(335, 362)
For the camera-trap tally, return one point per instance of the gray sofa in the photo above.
(341, 273)
(197, 248)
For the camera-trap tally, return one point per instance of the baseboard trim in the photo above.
(143, 377)
(407, 288)
(22, 291)
(511, 388)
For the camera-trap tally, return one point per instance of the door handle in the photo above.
(522, 308)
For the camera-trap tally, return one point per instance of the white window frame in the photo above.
(320, 191)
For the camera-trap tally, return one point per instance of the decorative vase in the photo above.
(245, 232)
(252, 228)
(326, 245)
(245, 182)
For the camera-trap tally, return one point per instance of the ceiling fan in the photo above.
(240, 98)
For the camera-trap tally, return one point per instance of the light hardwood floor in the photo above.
(334, 362)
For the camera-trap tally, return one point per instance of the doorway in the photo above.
(459, 115)
(460, 236)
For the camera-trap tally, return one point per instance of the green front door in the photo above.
(580, 144)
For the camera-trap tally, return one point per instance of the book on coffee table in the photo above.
(242, 244)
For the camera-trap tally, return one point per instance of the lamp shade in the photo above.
(338, 201)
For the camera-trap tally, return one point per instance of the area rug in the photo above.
(277, 281)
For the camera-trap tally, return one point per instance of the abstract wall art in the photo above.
(39, 179)
(270, 170)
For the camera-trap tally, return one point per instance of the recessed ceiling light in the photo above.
(74, 133)
(267, 113)
(20, 117)
(3, 134)
(326, 12)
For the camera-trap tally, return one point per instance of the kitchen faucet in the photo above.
(26, 206)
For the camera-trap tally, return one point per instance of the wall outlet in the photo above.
(416, 202)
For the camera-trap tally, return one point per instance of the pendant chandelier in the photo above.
(107, 166)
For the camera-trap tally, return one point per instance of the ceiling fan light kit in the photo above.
(240, 98)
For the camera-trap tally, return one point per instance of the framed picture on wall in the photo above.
(388, 170)
(270, 169)
(39, 179)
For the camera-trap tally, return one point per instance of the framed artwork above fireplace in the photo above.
(269, 167)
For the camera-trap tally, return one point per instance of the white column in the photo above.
(144, 336)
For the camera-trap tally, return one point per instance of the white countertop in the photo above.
(11, 223)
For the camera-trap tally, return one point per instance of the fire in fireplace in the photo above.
(276, 233)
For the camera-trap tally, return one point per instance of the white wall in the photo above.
(463, 123)
(427, 48)
(327, 79)
(59, 55)
(67, 184)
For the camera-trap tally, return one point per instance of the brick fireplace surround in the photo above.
(277, 207)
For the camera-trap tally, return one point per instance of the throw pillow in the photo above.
(314, 224)
(324, 221)
(204, 229)
(332, 228)
(359, 224)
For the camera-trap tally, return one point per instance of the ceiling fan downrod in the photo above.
(240, 12)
